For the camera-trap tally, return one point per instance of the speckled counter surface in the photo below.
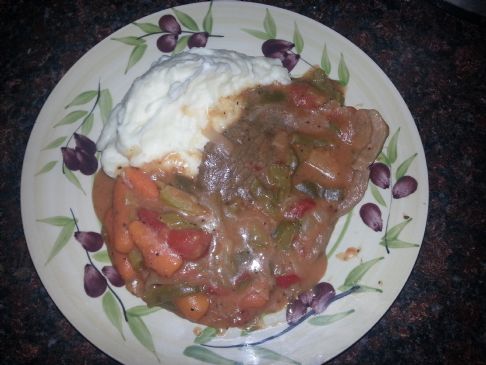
(435, 57)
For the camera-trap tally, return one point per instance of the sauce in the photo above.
(249, 233)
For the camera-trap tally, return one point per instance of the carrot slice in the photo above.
(121, 213)
(193, 307)
(141, 184)
(156, 253)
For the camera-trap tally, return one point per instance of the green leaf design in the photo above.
(46, 168)
(208, 20)
(267, 354)
(105, 104)
(142, 310)
(391, 150)
(186, 20)
(206, 335)
(298, 40)
(357, 274)
(382, 157)
(102, 256)
(403, 168)
(392, 233)
(58, 220)
(325, 62)
(341, 234)
(113, 311)
(269, 24)
(377, 195)
(181, 44)
(257, 33)
(54, 144)
(208, 356)
(396, 243)
(148, 27)
(61, 241)
(343, 72)
(141, 333)
(83, 98)
(136, 55)
(326, 319)
(71, 117)
(131, 41)
(73, 179)
(365, 288)
(87, 124)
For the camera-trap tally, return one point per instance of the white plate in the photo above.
(148, 338)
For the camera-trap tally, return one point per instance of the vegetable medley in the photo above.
(249, 233)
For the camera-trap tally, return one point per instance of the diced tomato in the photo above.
(151, 219)
(190, 243)
(284, 281)
(299, 208)
(302, 96)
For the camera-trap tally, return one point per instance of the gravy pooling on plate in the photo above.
(248, 233)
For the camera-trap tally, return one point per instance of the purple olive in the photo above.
(405, 186)
(323, 293)
(380, 175)
(88, 164)
(91, 241)
(198, 40)
(290, 60)
(295, 310)
(167, 42)
(168, 23)
(69, 158)
(276, 48)
(94, 283)
(84, 143)
(371, 216)
(113, 275)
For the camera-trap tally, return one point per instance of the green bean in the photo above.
(285, 233)
(181, 200)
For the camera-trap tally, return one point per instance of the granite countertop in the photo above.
(435, 56)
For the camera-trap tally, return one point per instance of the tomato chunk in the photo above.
(151, 219)
(284, 281)
(299, 208)
(190, 243)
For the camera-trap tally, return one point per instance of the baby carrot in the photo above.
(121, 239)
(193, 307)
(156, 253)
(141, 184)
(121, 263)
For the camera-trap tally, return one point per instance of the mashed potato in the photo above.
(164, 115)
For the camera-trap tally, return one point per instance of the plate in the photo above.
(56, 202)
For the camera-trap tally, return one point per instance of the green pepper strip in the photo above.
(135, 259)
(161, 294)
(181, 200)
(175, 221)
(285, 233)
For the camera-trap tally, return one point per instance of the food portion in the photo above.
(164, 116)
(247, 231)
